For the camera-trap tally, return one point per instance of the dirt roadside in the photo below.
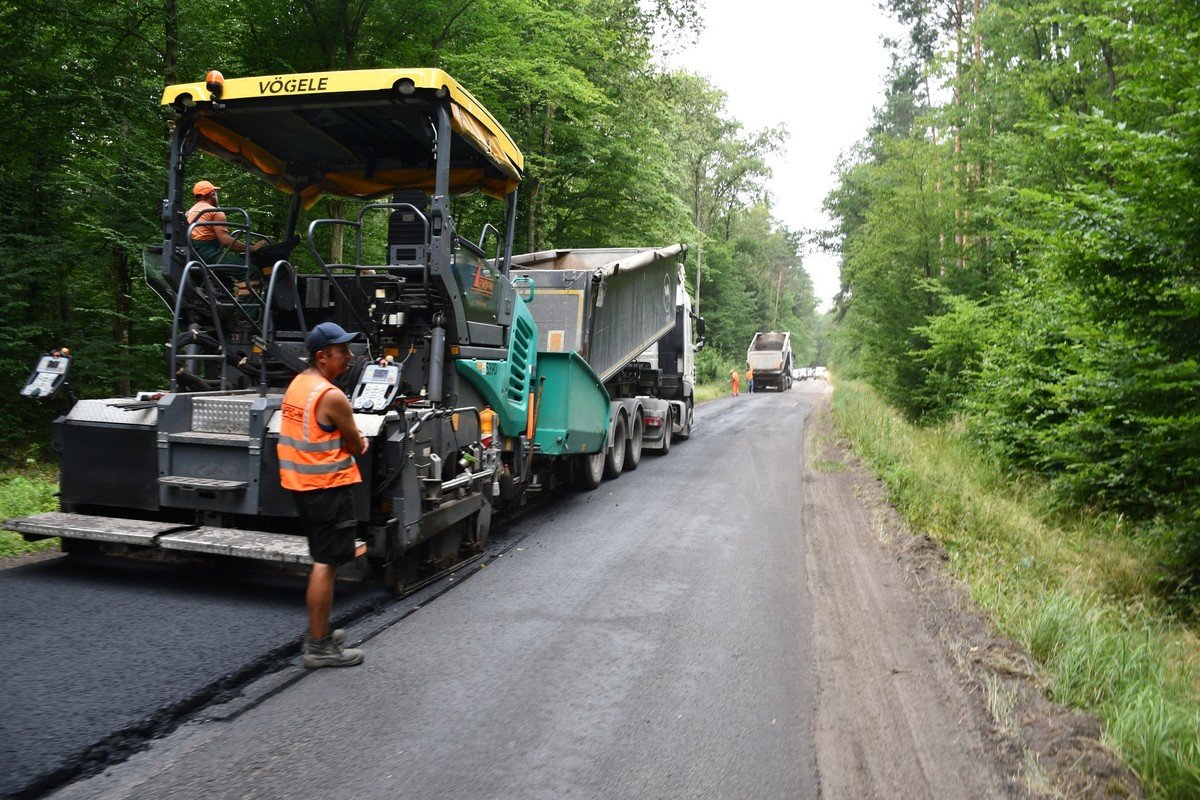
(919, 696)
(8, 562)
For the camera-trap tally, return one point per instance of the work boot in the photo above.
(338, 635)
(328, 653)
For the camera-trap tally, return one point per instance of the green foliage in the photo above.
(713, 367)
(1076, 589)
(893, 253)
(1026, 253)
(754, 281)
(28, 490)
(956, 341)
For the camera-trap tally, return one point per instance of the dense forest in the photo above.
(619, 152)
(1018, 229)
(1021, 248)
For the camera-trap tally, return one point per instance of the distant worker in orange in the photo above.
(213, 243)
(734, 378)
(750, 381)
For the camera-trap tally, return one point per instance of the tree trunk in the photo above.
(337, 237)
(535, 186)
(547, 139)
(1109, 68)
(122, 294)
(960, 236)
(171, 39)
(778, 295)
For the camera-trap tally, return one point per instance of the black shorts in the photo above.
(329, 521)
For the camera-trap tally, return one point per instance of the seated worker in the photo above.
(213, 243)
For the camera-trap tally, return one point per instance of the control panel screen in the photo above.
(54, 366)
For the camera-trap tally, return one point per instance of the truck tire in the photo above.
(614, 457)
(633, 448)
(589, 471)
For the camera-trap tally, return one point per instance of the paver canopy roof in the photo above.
(358, 133)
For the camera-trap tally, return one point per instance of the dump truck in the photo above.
(469, 401)
(624, 311)
(770, 357)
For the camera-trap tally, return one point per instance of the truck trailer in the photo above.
(623, 310)
(471, 393)
(770, 356)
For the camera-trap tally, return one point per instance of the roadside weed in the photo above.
(26, 491)
(1077, 589)
(709, 391)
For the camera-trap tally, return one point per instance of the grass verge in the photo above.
(709, 391)
(28, 490)
(1076, 589)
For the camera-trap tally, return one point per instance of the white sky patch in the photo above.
(816, 67)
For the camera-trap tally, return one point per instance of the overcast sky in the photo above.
(816, 66)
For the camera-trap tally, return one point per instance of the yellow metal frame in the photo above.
(468, 117)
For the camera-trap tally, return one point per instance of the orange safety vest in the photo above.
(309, 457)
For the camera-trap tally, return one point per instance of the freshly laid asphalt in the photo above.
(101, 653)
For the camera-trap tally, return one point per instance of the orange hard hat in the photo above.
(204, 187)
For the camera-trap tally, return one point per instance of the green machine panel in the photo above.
(505, 384)
(573, 410)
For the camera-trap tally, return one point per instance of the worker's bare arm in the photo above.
(222, 234)
(334, 409)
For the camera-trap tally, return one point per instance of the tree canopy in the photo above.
(1020, 240)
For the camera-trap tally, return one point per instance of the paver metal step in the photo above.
(98, 529)
(259, 545)
(205, 484)
(204, 437)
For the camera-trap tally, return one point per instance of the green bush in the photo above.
(30, 490)
(713, 367)
(1081, 591)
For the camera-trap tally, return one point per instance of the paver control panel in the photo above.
(376, 388)
(48, 376)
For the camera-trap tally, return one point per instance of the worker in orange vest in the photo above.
(318, 441)
(734, 378)
(212, 242)
(750, 380)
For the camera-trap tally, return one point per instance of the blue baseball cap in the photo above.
(325, 334)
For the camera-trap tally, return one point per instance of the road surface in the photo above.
(720, 623)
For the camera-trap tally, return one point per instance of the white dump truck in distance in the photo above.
(770, 358)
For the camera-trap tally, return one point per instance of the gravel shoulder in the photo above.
(916, 688)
